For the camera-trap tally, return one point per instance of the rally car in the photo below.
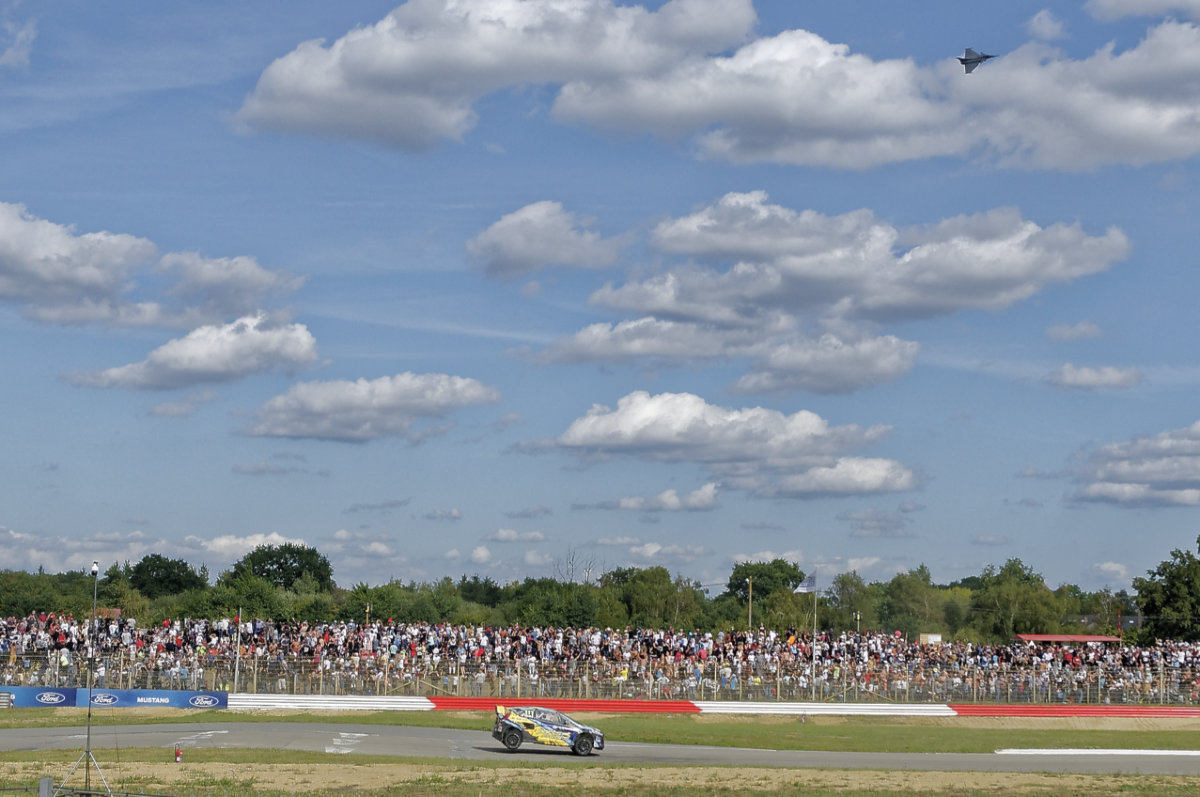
(544, 726)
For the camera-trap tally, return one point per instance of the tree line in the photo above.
(295, 582)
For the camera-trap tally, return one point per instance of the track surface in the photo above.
(479, 745)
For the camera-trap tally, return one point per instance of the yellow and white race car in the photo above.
(515, 726)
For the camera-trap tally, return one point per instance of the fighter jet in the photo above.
(972, 59)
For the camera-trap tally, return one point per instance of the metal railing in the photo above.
(789, 679)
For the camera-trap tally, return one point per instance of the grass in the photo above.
(825, 733)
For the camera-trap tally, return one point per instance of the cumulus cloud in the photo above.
(831, 365)
(1163, 470)
(1084, 378)
(692, 69)
(16, 41)
(56, 553)
(856, 266)
(231, 547)
(62, 276)
(223, 286)
(537, 236)
(411, 79)
(512, 535)
(209, 354)
(367, 409)
(537, 559)
(1109, 10)
(480, 555)
(793, 272)
(1084, 330)
(758, 449)
(657, 553)
(702, 499)
(1045, 26)
(1111, 572)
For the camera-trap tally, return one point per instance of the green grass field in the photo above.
(242, 771)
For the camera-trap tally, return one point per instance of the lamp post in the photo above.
(87, 757)
(750, 606)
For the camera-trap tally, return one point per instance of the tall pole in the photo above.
(87, 771)
(750, 606)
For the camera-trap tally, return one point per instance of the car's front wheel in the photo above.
(583, 745)
(512, 739)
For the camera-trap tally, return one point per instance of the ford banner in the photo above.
(32, 697)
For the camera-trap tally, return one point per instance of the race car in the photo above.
(544, 726)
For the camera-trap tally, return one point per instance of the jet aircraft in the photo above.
(972, 59)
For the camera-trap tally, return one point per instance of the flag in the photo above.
(807, 585)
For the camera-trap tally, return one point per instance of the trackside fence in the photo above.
(714, 679)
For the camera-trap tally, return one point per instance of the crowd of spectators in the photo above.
(383, 657)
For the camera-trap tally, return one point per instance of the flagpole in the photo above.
(814, 642)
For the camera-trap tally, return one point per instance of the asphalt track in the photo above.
(479, 745)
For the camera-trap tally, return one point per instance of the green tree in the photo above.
(156, 575)
(283, 565)
(1013, 600)
(766, 577)
(851, 603)
(1169, 598)
(911, 604)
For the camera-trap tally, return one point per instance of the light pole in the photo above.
(87, 757)
(750, 606)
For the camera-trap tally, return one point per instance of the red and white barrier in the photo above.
(245, 702)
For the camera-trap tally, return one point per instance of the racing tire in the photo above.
(512, 740)
(583, 745)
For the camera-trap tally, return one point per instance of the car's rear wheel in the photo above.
(512, 739)
(583, 745)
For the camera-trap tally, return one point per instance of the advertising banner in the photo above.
(32, 696)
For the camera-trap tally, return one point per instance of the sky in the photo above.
(526, 288)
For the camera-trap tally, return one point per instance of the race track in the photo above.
(479, 745)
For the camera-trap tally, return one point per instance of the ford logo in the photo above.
(203, 701)
(50, 698)
(105, 699)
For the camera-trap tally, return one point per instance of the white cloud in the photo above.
(1163, 470)
(755, 448)
(225, 286)
(16, 41)
(655, 339)
(480, 555)
(702, 499)
(1084, 378)
(512, 535)
(830, 364)
(64, 277)
(657, 553)
(618, 541)
(452, 513)
(231, 547)
(1045, 26)
(1084, 330)
(60, 554)
(1111, 572)
(411, 79)
(536, 559)
(51, 267)
(1109, 10)
(855, 266)
(208, 354)
(538, 236)
(365, 410)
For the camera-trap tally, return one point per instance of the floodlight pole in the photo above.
(91, 676)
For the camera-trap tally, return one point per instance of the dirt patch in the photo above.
(419, 779)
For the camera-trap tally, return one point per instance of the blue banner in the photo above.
(32, 697)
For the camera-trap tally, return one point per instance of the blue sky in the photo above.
(556, 286)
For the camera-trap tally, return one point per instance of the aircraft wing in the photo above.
(970, 66)
(971, 54)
